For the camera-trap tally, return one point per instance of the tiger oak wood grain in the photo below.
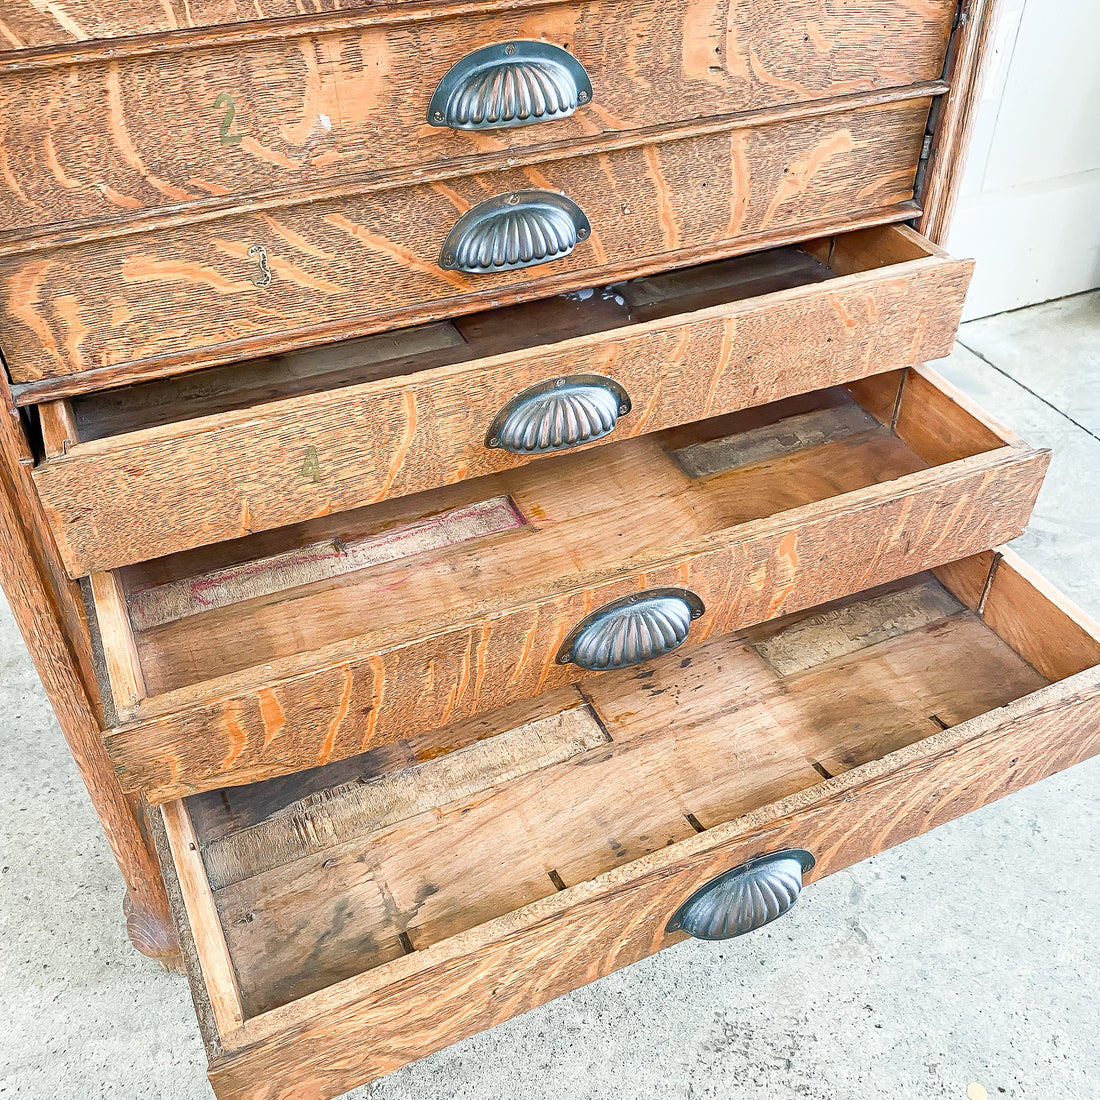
(407, 351)
(144, 494)
(184, 296)
(422, 1002)
(350, 695)
(202, 211)
(26, 24)
(203, 23)
(833, 628)
(155, 130)
(75, 317)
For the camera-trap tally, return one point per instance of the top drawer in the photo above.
(191, 120)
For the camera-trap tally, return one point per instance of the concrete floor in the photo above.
(961, 965)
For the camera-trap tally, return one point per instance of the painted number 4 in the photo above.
(311, 467)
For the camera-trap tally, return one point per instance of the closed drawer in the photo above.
(186, 461)
(196, 120)
(350, 920)
(103, 307)
(262, 656)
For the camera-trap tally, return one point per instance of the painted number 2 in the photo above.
(225, 100)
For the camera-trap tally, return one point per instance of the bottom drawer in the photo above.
(346, 920)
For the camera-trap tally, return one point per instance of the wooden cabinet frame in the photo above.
(49, 609)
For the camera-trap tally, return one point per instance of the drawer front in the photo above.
(161, 127)
(119, 308)
(198, 734)
(624, 921)
(108, 499)
(375, 1021)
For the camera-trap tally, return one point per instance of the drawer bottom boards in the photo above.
(347, 920)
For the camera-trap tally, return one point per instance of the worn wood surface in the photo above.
(811, 429)
(415, 350)
(968, 578)
(221, 813)
(481, 626)
(421, 1002)
(852, 627)
(624, 921)
(184, 296)
(326, 1051)
(188, 962)
(157, 490)
(810, 35)
(29, 23)
(321, 819)
(326, 560)
(50, 616)
(588, 516)
(58, 425)
(146, 131)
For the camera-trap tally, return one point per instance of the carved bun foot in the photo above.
(152, 933)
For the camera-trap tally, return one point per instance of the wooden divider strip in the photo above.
(213, 954)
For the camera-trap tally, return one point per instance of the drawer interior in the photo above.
(311, 879)
(409, 567)
(405, 352)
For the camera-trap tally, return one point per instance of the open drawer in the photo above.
(265, 655)
(353, 918)
(151, 469)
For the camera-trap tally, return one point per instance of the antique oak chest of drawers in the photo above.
(474, 494)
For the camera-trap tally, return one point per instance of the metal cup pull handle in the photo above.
(511, 231)
(751, 895)
(632, 630)
(510, 84)
(558, 415)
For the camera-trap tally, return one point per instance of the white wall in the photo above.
(1029, 205)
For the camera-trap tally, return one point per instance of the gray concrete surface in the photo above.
(964, 961)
